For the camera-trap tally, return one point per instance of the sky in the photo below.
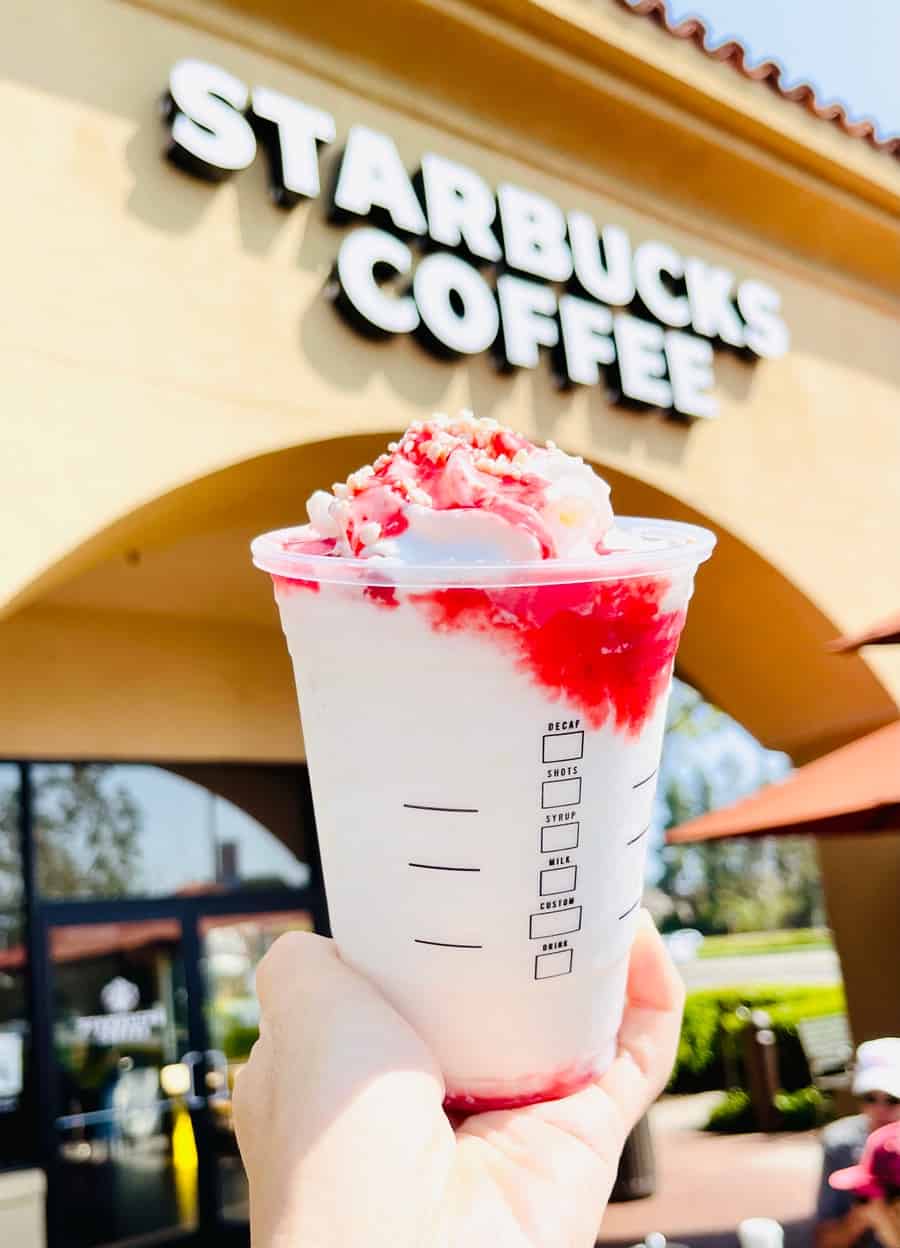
(847, 49)
(716, 755)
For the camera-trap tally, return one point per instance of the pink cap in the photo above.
(879, 1166)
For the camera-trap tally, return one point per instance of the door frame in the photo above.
(188, 911)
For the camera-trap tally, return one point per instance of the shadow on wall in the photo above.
(172, 201)
(416, 375)
(88, 69)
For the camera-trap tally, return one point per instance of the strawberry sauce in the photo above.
(285, 585)
(460, 1105)
(605, 648)
(471, 468)
(382, 595)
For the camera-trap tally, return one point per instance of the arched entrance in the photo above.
(156, 642)
(157, 639)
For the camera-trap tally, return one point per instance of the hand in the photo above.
(844, 1232)
(884, 1220)
(340, 1125)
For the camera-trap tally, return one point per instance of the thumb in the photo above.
(590, 1127)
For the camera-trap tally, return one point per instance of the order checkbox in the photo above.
(557, 923)
(563, 747)
(561, 792)
(549, 965)
(558, 880)
(559, 836)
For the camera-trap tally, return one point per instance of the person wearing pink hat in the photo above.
(848, 1216)
(876, 1180)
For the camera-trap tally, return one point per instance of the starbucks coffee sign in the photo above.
(467, 268)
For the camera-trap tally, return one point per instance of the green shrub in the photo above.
(734, 1113)
(798, 1111)
(238, 1040)
(737, 943)
(700, 1042)
(801, 1110)
(709, 1049)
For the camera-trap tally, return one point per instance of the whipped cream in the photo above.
(464, 490)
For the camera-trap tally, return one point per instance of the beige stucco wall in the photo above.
(161, 330)
(173, 380)
(861, 879)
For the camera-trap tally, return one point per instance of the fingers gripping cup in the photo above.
(483, 660)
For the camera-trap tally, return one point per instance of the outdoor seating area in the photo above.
(707, 1184)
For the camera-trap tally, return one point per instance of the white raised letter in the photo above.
(642, 365)
(651, 260)
(527, 315)
(534, 234)
(460, 207)
(709, 293)
(472, 324)
(210, 135)
(690, 362)
(586, 343)
(766, 333)
(362, 254)
(372, 176)
(294, 155)
(607, 277)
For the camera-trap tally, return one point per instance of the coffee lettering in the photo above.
(511, 274)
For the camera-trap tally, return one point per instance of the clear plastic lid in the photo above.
(638, 548)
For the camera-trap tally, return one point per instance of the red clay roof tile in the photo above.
(735, 54)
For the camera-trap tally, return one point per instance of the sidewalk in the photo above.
(706, 1184)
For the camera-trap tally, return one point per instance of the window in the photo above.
(124, 830)
(15, 1119)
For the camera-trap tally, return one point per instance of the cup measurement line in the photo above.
(436, 866)
(630, 909)
(646, 780)
(445, 944)
(634, 840)
(450, 810)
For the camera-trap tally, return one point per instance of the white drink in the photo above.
(483, 757)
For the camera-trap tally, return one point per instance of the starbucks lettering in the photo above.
(466, 268)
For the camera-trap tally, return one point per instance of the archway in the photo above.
(157, 640)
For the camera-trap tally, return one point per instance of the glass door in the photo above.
(151, 1011)
(231, 948)
(124, 1098)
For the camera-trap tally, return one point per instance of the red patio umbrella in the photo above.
(853, 789)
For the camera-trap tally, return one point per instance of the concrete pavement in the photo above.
(812, 966)
(706, 1184)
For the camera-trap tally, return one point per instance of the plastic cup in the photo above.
(483, 743)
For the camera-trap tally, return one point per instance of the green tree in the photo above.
(10, 859)
(740, 884)
(87, 831)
